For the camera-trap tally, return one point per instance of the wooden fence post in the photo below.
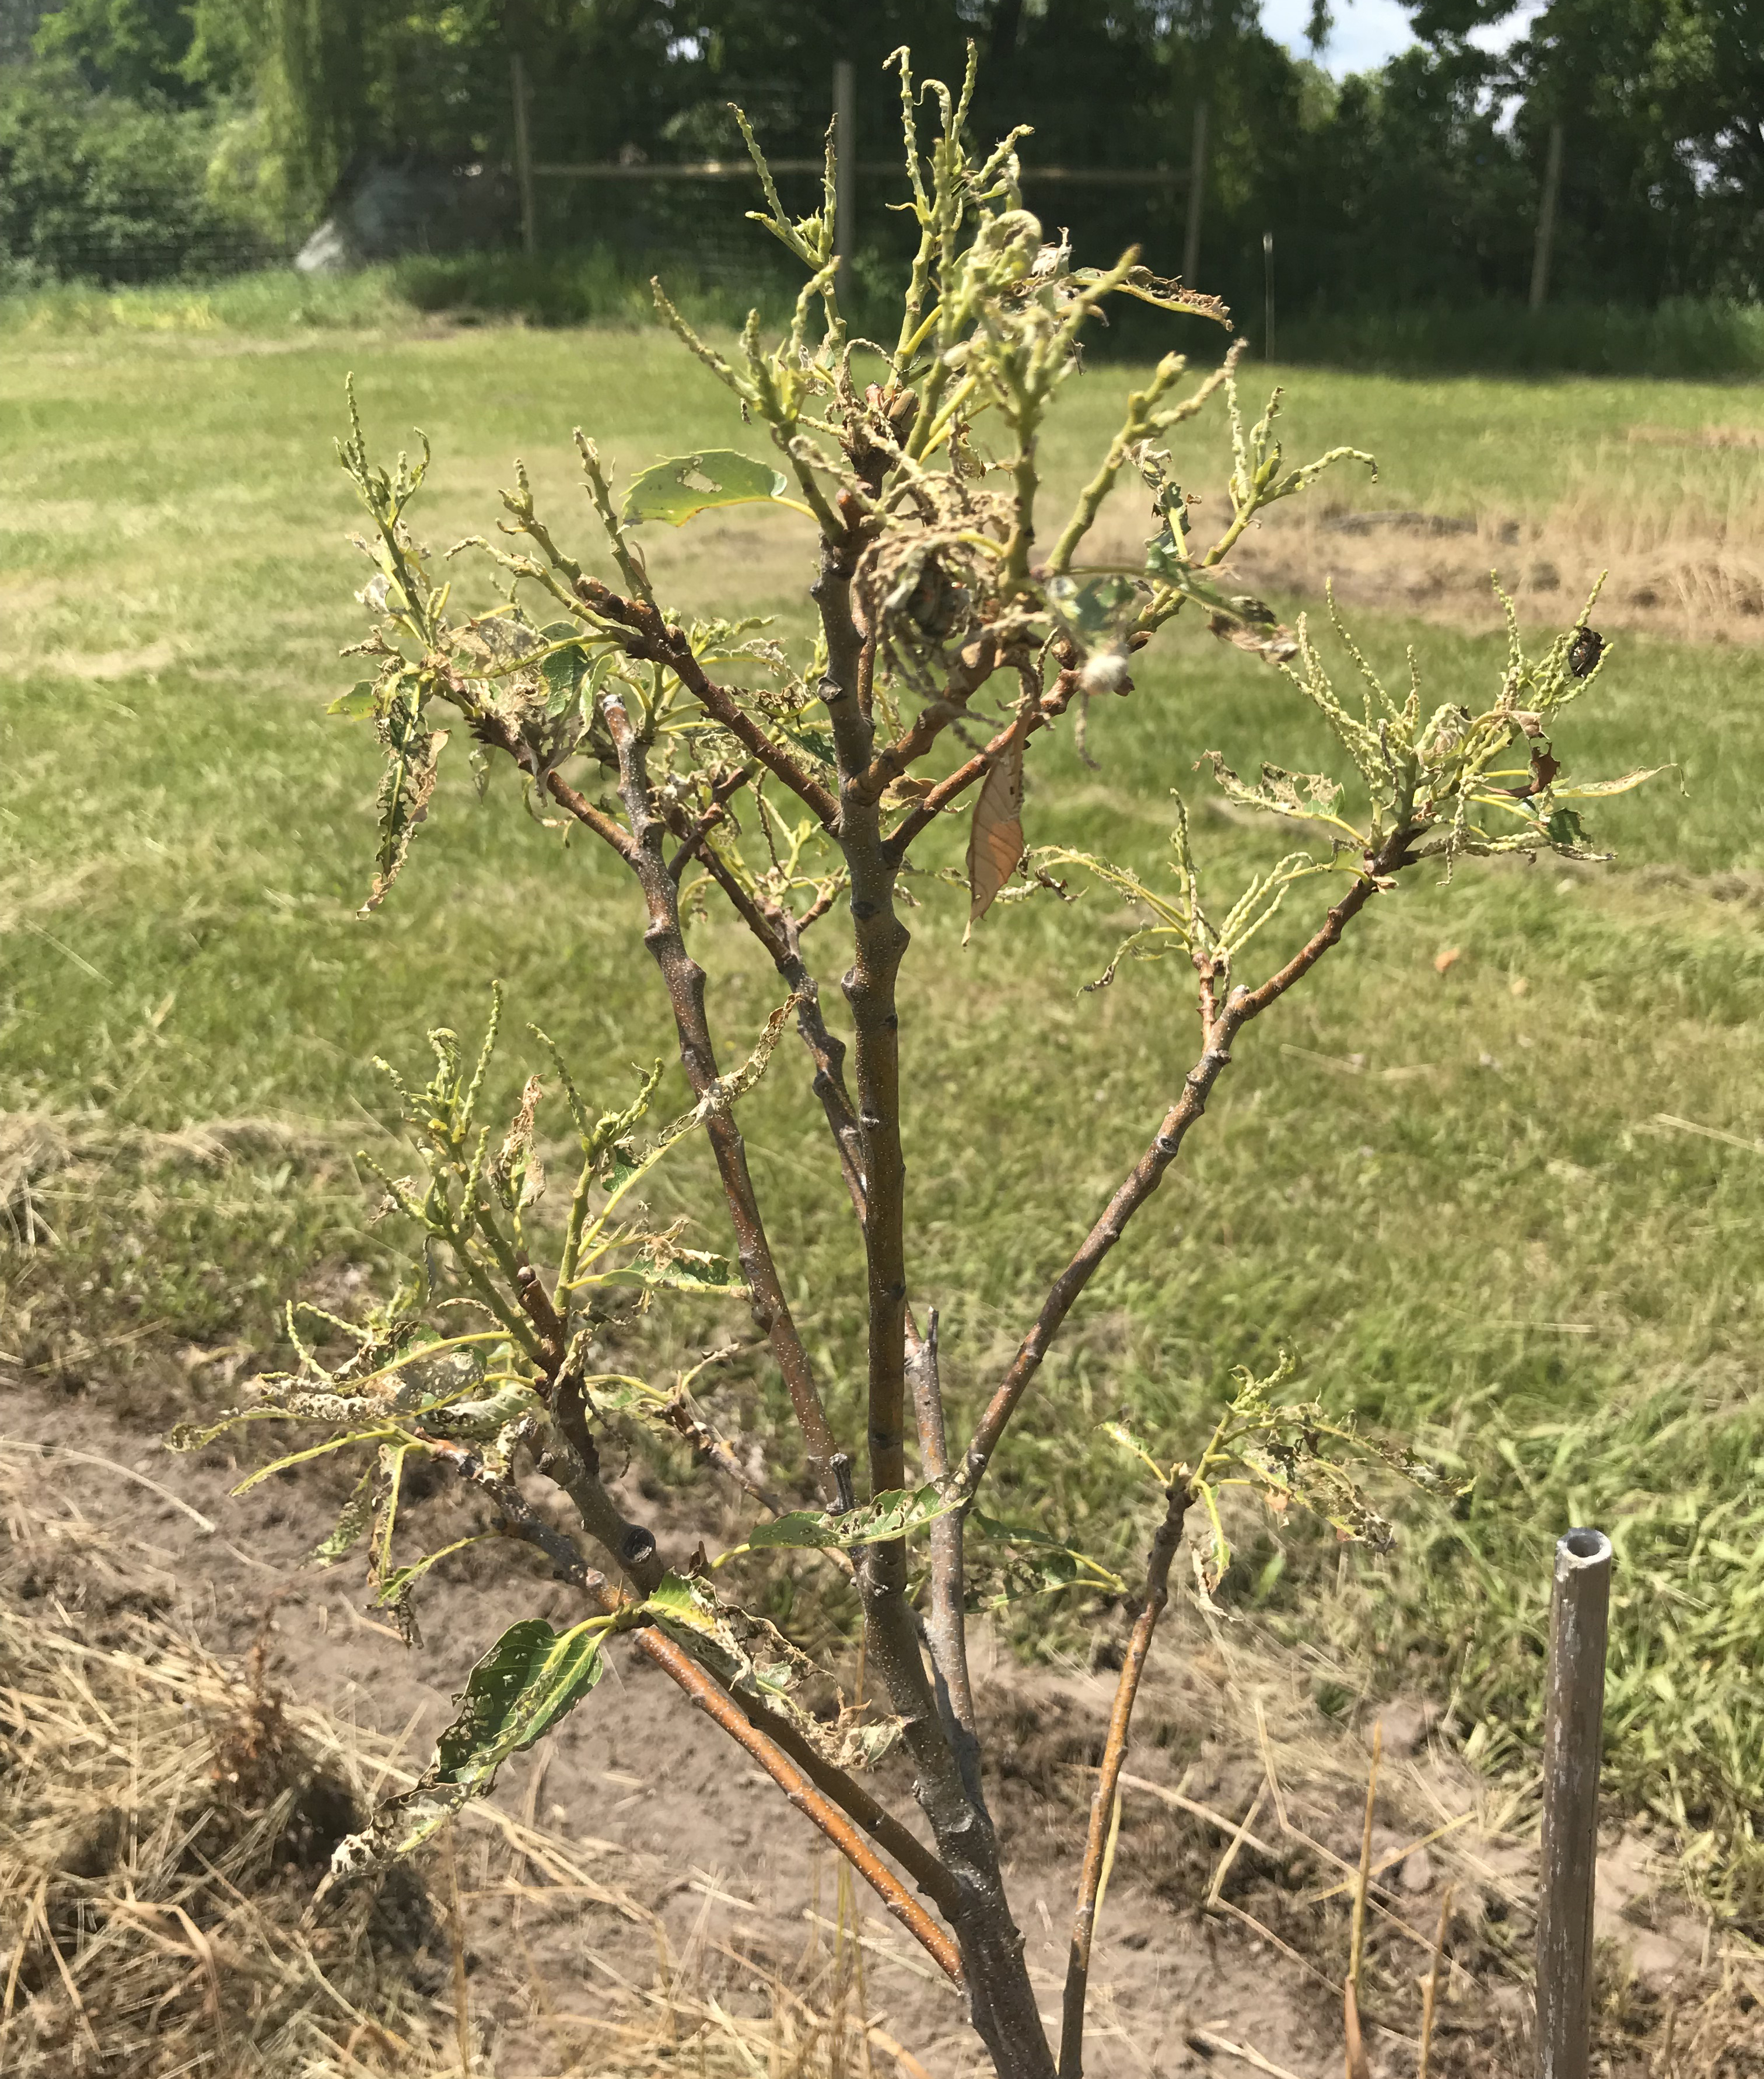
(530, 236)
(1574, 1724)
(845, 144)
(1191, 245)
(1546, 219)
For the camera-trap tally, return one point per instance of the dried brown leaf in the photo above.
(995, 839)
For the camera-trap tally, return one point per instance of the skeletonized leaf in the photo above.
(995, 838)
(681, 1270)
(1267, 639)
(674, 490)
(1061, 1566)
(413, 755)
(890, 1514)
(526, 1682)
(352, 1524)
(1590, 790)
(751, 1656)
(1095, 608)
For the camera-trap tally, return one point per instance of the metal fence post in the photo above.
(1573, 1723)
(530, 236)
(844, 146)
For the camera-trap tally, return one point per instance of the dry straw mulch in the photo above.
(165, 1818)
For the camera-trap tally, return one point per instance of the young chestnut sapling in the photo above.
(718, 765)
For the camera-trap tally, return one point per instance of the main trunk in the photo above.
(1003, 2006)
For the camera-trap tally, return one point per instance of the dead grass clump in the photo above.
(32, 1146)
(165, 1818)
(1691, 573)
(161, 1829)
(1699, 436)
(1687, 568)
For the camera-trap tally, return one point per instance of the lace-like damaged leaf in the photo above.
(890, 1514)
(753, 1658)
(413, 755)
(529, 1680)
(1291, 1455)
(1035, 1564)
(353, 1524)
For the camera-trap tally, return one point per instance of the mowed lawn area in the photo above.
(1495, 1176)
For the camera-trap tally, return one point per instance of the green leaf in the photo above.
(357, 700)
(674, 490)
(1565, 828)
(675, 1598)
(817, 742)
(562, 670)
(528, 1679)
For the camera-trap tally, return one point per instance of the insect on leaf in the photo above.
(357, 700)
(674, 490)
(526, 1682)
(995, 838)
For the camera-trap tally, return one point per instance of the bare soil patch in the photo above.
(634, 1834)
(1692, 574)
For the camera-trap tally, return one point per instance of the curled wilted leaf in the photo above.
(1264, 638)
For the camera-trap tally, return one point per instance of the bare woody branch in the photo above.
(948, 791)
(778, 936)
(759, 1740)
(1222, 1026)
(1114, 1754)
(649, 637)
(684, 981)
(947, 1626)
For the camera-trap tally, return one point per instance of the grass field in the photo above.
(1452, 1187)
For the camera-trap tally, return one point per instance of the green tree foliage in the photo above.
(106, 188)
(135, 48)
(1419, 182)
(1661, 104)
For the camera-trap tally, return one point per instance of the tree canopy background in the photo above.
(1419, 182)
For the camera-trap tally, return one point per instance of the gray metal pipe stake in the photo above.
(1574, 1724)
